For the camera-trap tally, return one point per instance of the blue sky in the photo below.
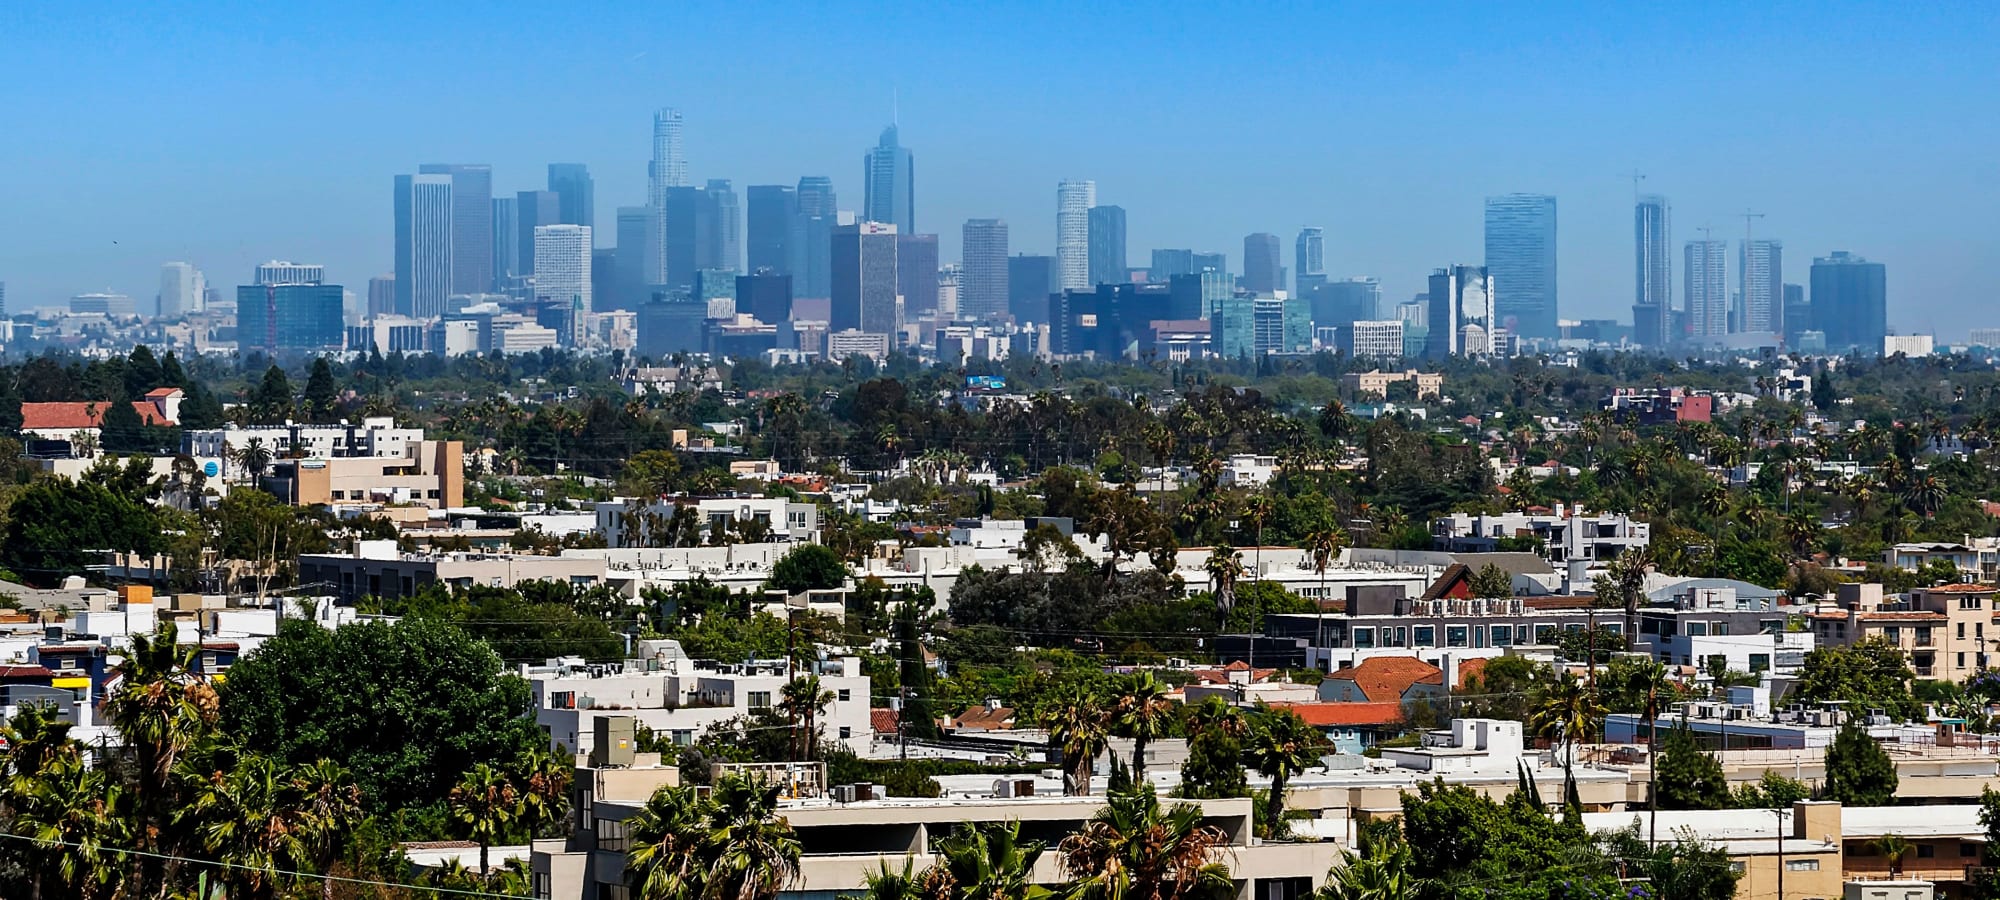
(229, 134)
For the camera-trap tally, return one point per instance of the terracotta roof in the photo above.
(1321, 715)
(79, 416)
(1961, 589)
(980, 718)
(884, 721)
(1470, 669)
(161, 393)
(220, 645)
(24, 672)
(1383, 679)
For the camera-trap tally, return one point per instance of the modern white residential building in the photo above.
(678, 698)
(562, 266)
(1566, 534)
(375, 436)
(1074, 199)
(629, 521)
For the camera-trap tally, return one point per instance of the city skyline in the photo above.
(1391, 206)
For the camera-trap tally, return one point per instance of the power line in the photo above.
(337, 879)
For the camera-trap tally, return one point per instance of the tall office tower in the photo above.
(3, 298)
(280, 271)
(1073, 202)
(636, 247)
(864, 278)
(1798, 315)
(917, 273)
(572, 183)
(423, 244)
(1168, 263)
(562, 266)
(1031, 280)
(1192, 296)
(982, 283)
(1263, 270)
(1762, 265)
(765, 295)
(666, 171)
(889, 184)
(532, 210)
(723, 214)
(1652, 306)
(681, 218)
(1521, 257)
(768, 239)
(304, 316)
(1309, 257)
(812, 238)
(506, 240)
(1209, 262)
(382, 296)
(1342, 303)
(1850, 302)
(604, 277)
(1107, 246)
(181, 290)
(1707, 289)
(1459, 312)
(471, 224)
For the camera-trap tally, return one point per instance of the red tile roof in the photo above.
(79, 416)
(885, 721)
(1469, 669)
(1383, 679)
(161, 393)
(24, 672)
(1322, 715)
(980, 718)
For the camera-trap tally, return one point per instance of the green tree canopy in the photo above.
(1871, 674)
(56, 527)
(1688, 777)
(1858, 771)
(807, 567)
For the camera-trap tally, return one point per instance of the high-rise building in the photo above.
(304, 316)
(562, 266)
(812, 238)
(682, 219)
(1762, 265)
(532, 210)
(1209, 262)
(506, 240)
(572, 183)
(666, 171)
(889, 184)
(725, 219)
(772, 209)
(280, 271)
(1850, 302)
(1107, 246)
(1377, 338)
(1705, 274)
(983, 283)
(1074, 199)
(1652, 305)
(1169, 263)
(471, 224)
(382, 295)
(1459, 312)
(1196, 295)
(1309, 258)
(1263, 269)
(636, 247)
(1798, 315)
(917, 272)
(423, 244)
(864, 278)
(1338, 304)
(765, 295)
(604, 296)
(182, 290)
(1521, 257)
(1031, 280)
(3, 298)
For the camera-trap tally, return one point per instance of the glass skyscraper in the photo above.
(983, 282)
(1652, 304)
(1521, 258)
(1107, 245)
(768, 240)
(864, 278)
(532, 210)
(289, 316)
(1707, 289)
(1074, 199)
(572, 182)
(423, 244)
(812, 239)
(1850, 302)
(1762, 265)
(1309, 257)
(1263, 267)
(471, 224)
(889, 184)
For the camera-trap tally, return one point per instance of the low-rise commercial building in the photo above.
(378, 569)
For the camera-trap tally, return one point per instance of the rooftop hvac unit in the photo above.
(616, 742)
(843, 793)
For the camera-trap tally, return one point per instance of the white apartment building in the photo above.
(1248, 470)
(373, 437)
(1381, 339)
(678, 698)
(1567, 534)
(627, 521)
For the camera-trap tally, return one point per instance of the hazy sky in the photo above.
(132, 134)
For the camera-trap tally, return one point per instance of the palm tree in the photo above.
(544, 781)
(245, 818)
(1280, 745)
(668, 839)
(1926, 495)
(988, 861)
(254, 458)
(1567, 711)
(487, 804)
(1649, 680)
(76, 816)
(1377, 869)
(1895, 847)
(1142, 713)
(1077, 727)
(886, 883)
(755, 854)
(1324, 545)
(1131, 849)
(1224, 566)
(329, 805)
(161, 708)
(802, 702)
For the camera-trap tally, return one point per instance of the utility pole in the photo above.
(1781, 852)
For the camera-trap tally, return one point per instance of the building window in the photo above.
(539, 885)
(846, 732)
(1364, 638)
(845, 694)
(1969, 603)
(611, 835)
(1893, 634)
(1545, 634)
(1926, 851)
(1968, 851)
(684, 737)
(562, 700)
(1736, 865)
(1760, 662)
(760, 699)
(1503, 635)
(1402, 636)
(1961, 631)
(1802, 865)
(1426, 635)
(1454, 635)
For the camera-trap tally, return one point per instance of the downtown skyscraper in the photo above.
(1850, 302)
(563, 267)
(1074, 198)
(889, 191)
(1521, 258)
(423, 250)
(1707, 288)
(1652, 304)
(1762, 268)
(982, 282)
(1263, 268)
(812, 239)
(532, 210)
(667, 170)
(572, 183)
(771, 211)
(471, 224)
(864, 278)
(1309, 259)
(1107, 245)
